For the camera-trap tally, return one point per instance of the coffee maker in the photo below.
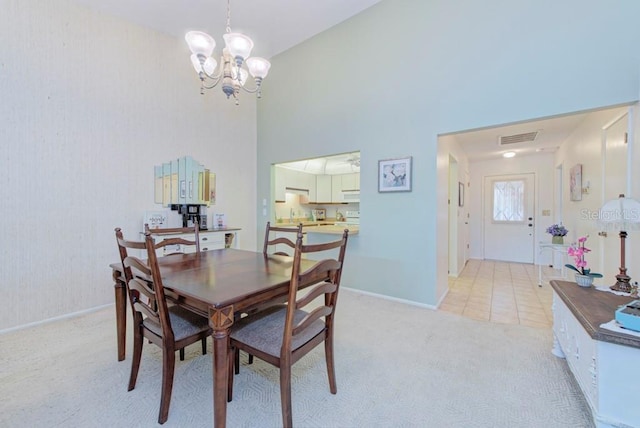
(190, 213)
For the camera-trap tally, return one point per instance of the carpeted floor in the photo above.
(397, 366)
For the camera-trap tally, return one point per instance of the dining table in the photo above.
(220, 285)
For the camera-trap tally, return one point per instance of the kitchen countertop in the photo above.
(333, 229)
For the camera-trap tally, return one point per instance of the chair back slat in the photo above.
(325, 275)
(269, 242)
(195, 230)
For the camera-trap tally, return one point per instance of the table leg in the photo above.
(539, 274)
(120, 290)
(220, 321)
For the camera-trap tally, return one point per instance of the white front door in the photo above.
(508, 217)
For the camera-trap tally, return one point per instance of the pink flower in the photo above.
(583, 239)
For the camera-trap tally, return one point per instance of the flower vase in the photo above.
(584, 280)
(557, 239)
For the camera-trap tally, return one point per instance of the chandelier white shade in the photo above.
(231, 73)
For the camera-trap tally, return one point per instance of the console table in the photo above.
(604, 362)
(555, 248)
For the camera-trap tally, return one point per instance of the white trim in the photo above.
(393, 299)
(58, 318)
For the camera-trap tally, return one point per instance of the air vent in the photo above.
(517, 138)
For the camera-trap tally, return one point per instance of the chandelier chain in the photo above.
(228, 16)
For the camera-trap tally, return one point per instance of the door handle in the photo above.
(530, 225)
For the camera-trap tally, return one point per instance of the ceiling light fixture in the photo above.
(508, 154)
(234, 55)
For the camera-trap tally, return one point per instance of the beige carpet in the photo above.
(397, 366)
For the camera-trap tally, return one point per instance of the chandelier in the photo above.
(231, 73)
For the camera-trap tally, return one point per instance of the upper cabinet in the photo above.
(297, 181)
(350, 182)
(322, 189)
(182, 181)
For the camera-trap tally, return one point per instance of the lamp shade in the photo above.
(200, 43)
(258, 67)
(620, 214)
(210, 64)
(238, 44)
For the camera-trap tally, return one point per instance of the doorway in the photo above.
(616, 181)
(509, 217)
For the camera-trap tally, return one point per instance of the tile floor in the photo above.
(502, 292)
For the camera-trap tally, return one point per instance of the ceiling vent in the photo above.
(517, 138)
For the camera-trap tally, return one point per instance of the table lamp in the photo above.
(621, 214)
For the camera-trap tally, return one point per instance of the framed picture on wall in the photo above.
(575, 182)
(394, 175)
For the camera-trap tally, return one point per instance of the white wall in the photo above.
(543, 167)
(88, 105)
(390, 80)
(584, 146)
(449, 148)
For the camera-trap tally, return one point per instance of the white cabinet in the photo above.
(209, 240)
(336, 188)
(344, 182)
(605, 371)
(286, 178)
(323, 188)
(351, 182)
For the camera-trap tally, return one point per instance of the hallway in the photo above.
(501, 292)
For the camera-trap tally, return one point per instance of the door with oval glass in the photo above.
(509, 222)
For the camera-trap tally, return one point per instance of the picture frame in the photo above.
(394, 175)
(460, 194)
(575, 182)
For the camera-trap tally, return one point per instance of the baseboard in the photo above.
(58, 318)
(393, 299)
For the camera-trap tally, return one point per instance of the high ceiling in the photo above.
(277, 25)
(274, 25)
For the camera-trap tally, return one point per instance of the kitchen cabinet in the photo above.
(350, 181)
(344, 182)
(209, 240)
(287, 178)
(323, 189)
(336, 188)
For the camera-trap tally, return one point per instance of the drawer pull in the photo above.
(204, 239)
(205, 249)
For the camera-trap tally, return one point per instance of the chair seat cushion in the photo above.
(183, 322)
(264, 330)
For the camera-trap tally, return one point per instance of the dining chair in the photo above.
(282, 334)
(168, 242)
(195, 229)
(169, 327)
(270, 241)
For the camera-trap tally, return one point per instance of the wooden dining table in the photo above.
(220, 285)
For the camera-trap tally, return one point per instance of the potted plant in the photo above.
(557, 231)
(584, 276)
